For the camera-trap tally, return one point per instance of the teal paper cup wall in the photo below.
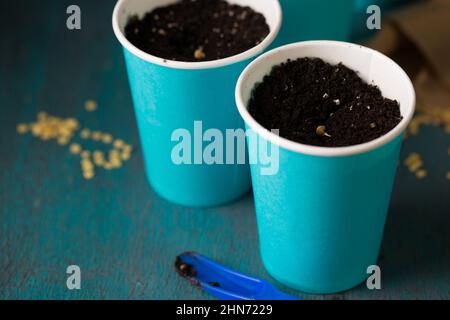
(315, 19)
(321, 217)
(171, 95)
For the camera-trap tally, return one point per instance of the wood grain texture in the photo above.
(122, 235)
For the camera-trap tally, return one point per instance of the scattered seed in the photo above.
(85, 154)
(87, 164)
(72, 123)
(421, 174)
(118, 143)
(36, 130)
(96, 135)
(373, 125)
(414, 167)
(62, 141)
(62, 130)
(107, 166)
(41, 116)
(114, 154)
(22, 128)
(85, 134)
(415, 163)
(337, 102)
(107, 138)
(413, 157)
(97, 154)
(88, 174)
(125, 156)
(127, 148)
(75, 148)
(90, 105)
(99, 161)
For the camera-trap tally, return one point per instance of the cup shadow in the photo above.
(416, 246)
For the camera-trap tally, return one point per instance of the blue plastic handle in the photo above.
(225, 283)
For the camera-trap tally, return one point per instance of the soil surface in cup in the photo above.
(316, 103)
(197, 30)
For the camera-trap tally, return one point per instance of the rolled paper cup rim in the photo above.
(252, 52)
(317, 150)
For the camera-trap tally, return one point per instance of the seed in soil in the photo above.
(321, 131)
(303, 97)
(197, 30)
(199, 54)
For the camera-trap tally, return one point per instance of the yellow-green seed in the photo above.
(90, 105)
(421, 174)
(75, 148)
(85, 154)
(96, 135)
(107, 138)
(118, 143)
(88, 174)
(85, 134)
(22, 128)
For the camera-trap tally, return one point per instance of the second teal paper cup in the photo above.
(172, 98)
(321, 217)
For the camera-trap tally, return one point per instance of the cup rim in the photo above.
(196, 65)
(317, 150)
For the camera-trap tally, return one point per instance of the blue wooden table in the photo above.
(123, 236)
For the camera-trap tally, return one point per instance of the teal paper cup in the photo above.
(321, 217)
(170, 96)
(315, 19)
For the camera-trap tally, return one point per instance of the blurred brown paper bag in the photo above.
(418, 38)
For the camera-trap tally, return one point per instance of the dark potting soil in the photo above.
(197, 30)
(316, 103)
